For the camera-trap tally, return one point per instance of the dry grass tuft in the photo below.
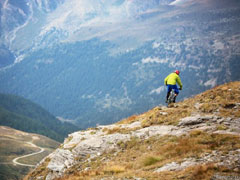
(150, 160)
(112, 131)
(204, 171)
(222, 127)
(120, 130)
(170, 116)
(129, 120)
(221, 98)
(113, 169)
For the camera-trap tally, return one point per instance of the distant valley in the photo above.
(14, 144)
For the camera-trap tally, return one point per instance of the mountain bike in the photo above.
(171, 97)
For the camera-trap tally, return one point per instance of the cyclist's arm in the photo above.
(179, 82)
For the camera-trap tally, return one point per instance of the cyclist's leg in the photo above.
(176, 92)
(169, 88)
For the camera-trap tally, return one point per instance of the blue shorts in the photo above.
(170, 87)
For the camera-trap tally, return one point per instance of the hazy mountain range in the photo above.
(100, 61)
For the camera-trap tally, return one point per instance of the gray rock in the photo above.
(51, 176)
(173, 166)
(222, 177)
(40, 178)
(197, 105)
(153, 130)
(197, 119)
(60, 160)
(164, 113)
(192, 120)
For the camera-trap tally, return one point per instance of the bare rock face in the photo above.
(197, 119)
(174, 166)
(60, 160)
(81, 144)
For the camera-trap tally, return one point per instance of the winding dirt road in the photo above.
(28, 165)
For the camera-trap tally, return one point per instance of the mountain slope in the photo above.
(22, 114)
(15, 143)
(198, 138)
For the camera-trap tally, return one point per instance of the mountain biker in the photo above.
(170, 81)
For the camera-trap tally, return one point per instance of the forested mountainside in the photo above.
(22, 114)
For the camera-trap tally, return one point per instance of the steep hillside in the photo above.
(14, 144)
(22, 114)
(198, 138)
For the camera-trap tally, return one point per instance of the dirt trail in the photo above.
(35, 153)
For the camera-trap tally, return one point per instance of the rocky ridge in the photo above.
(212, 119)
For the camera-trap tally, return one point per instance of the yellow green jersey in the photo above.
(172, 79)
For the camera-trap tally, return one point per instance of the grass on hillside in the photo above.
(12, 172)
(221, 100)
(33, 160)
(12, 147)
(14, 143)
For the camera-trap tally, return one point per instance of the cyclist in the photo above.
(170, 81)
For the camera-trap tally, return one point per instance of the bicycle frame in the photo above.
(171, 97)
